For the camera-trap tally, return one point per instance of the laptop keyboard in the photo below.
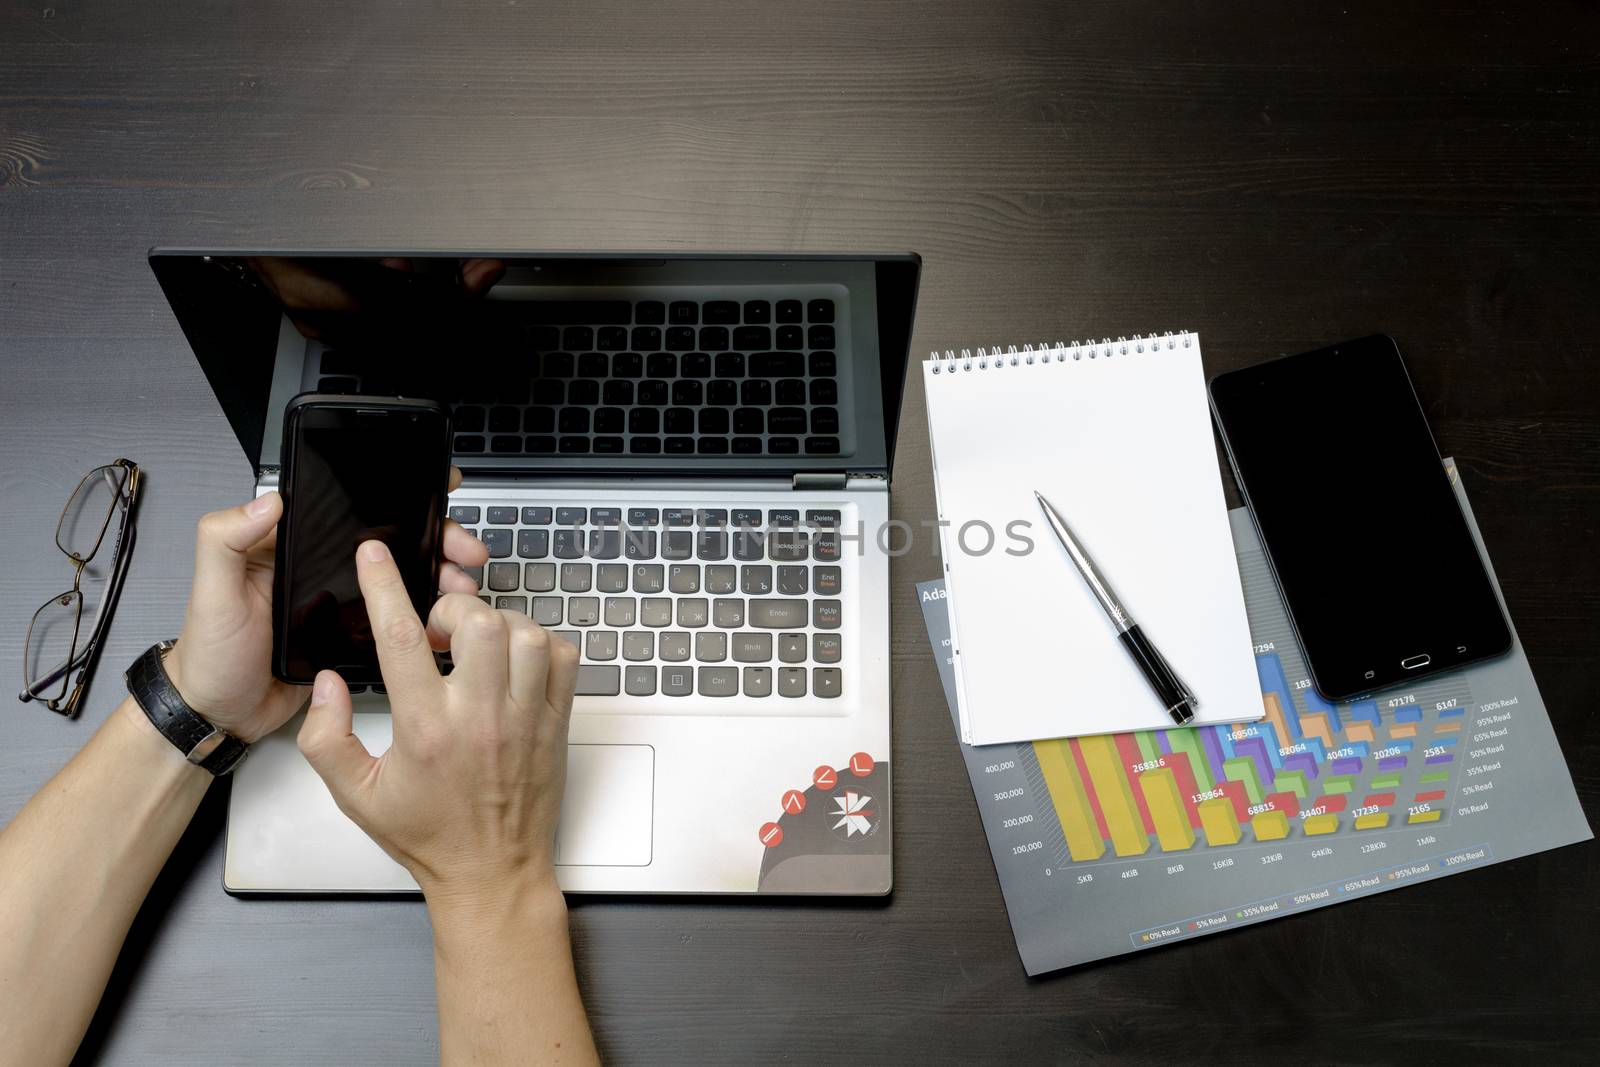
(649, 377)
(713, 602)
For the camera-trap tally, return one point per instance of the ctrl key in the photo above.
(599, 680)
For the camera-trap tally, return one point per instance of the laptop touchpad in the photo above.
(607, 814)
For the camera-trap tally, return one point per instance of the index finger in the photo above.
(403, 652)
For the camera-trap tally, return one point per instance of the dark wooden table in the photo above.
(1273, 175)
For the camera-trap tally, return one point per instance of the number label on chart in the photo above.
(995, 768)
(1009, 793)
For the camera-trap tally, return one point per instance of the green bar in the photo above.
(1292, 781)
(1385, 781)
(1341, 784)
(1147, 745)
(1188, 742)
(1243, 769)
(1434, 776)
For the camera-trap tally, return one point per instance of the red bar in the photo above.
(1287, 803)
(1234, 791)
(1381, 800)
(1088, 787)
(1436, 794)
(1179, 762)
(1330, 803)
(1128, 750)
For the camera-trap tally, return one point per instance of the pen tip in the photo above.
(1038, 496)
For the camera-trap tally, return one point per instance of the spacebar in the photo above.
(599, 680)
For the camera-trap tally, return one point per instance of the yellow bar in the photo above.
(1315, 724)
(1447, 726)
(1360, 731)
(1403, 729)
(1270, 825)
(1319, 824)
(1426, 816)
(1110, 784)
(1160, 789)
(1071, 802)
(1218, 821)
(1375, 821)
(1275, 717)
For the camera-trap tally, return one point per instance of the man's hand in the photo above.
(223, 660)
(468, 796)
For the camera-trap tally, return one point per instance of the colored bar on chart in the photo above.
(1429, 777)
(1238, 796)
(1218, 820)
(1211, 743)
(1318, 726)
(1385, 781)
(1425, 816)
(1443, 757)
(1256, 748)
(1444, 742)
(1286, 802)
(1392, 763)
(1408, 713)
(1382, 800)
(1319, 824)
(1161, 795)
(1365, 711)
(1376, 820)
(1149, 749)
(1188, 788)
(1360, 731)
(1274, 683)
(1270, 826)
(1070, 800)
(1242, 769)
(1302, 762)
(1431, 795)
(1280, 736)
(1333, 802)
(1452, 713)
(1110, 782)
(1315, 705)
(1447, 726)
(1348, 765)
(1293, 783)
(1187, 742)
(1403, 730)
(1094, 799)
(1342, 784)
(1128, 751)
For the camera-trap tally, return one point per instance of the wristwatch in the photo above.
(201, 743)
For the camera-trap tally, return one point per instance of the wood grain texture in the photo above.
(1276, 176)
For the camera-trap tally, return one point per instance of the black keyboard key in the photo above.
(712, 446)
(730, 365)
(549, 391)
(502, 516)
(644, 446)
(573, 446)
(679, 516)
(783, 446)
(506, 444)
(786, 546)
(820, 310)
(608, 445)
(755, 391)
(611, 338)
(757, 312)
(467, 419)
(790, 338)
(610, 420)
(661, 365)
(825, 391)
(650, 313)
(639, 544)
(678, 420)
(600, 312)
(745, 516)
(558, 364)
(679, 446)
(750, 338)
(825, 420)
(784, 517)
(536, 516)
(722, 393)
(616, 391)
(695, 365)
(465, 514)
(713, 420)
(497, 541)
(533, 544)
(575, 337)
(606, 543)
(789, 311)
(749, 420)
(822, 446)
(541, 444)
(825, 547)
(683, 313)
(644, 420)
(583, 391)
(747, 446)
(574, 420)
(824, 365)
(628, 364)
(790, 391)
(687, 391)
(504, 419)
(711, 516)
(646, 338)
(544, 338)
(749, 545)
(827, 580)
(714, 338)
(680, 338)
(605, 516)
(568, 543)
(539, 420)
(594, 365)
(571, 516)
(786, 420)
(712, 545)
(677, 544)
(820, 337)
(644, 516)
(777, 365)
(653, 393)
(722, 312)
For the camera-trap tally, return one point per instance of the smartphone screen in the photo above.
(1371, 552)
(354, 470)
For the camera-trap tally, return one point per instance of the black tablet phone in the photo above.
(1361, 528)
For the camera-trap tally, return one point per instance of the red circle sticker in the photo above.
(861, 765)
(771, 834)
(794, 802)
(825, 777)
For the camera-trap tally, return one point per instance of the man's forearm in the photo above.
(506, 987)
(75, 865)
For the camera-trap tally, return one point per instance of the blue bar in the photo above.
(1367, 711)
(1315, 703)
(1409, 713)
(1451, 713)
(1270, 670)
(1443, 742)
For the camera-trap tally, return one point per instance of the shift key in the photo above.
(777, 614)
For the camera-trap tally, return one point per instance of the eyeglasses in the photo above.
(58, 654)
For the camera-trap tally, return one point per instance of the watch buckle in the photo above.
(206, 745)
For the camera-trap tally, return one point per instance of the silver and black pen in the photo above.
(1177, 698)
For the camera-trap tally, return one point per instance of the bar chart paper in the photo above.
(1118, 842)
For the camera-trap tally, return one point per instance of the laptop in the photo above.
(680, 463)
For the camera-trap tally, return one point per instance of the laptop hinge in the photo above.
(820, 480)
(268, 478)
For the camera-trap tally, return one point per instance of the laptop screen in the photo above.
(562, 362)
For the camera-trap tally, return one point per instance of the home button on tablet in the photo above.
(1411, 663)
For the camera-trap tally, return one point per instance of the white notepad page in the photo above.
(1118, 436)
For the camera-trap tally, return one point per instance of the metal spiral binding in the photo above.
(965, 359)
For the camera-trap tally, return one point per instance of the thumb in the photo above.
(225, 536)
(329, 745)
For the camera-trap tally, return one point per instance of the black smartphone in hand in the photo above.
(354, 469)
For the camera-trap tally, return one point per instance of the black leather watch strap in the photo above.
(200, 742)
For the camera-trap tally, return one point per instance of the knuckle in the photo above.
(211, 525)
(565, 653)
(532, 640)
(485, 626)
(403, 633)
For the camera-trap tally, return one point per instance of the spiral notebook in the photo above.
(1117, 434)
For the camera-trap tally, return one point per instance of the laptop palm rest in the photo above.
(285, 834)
